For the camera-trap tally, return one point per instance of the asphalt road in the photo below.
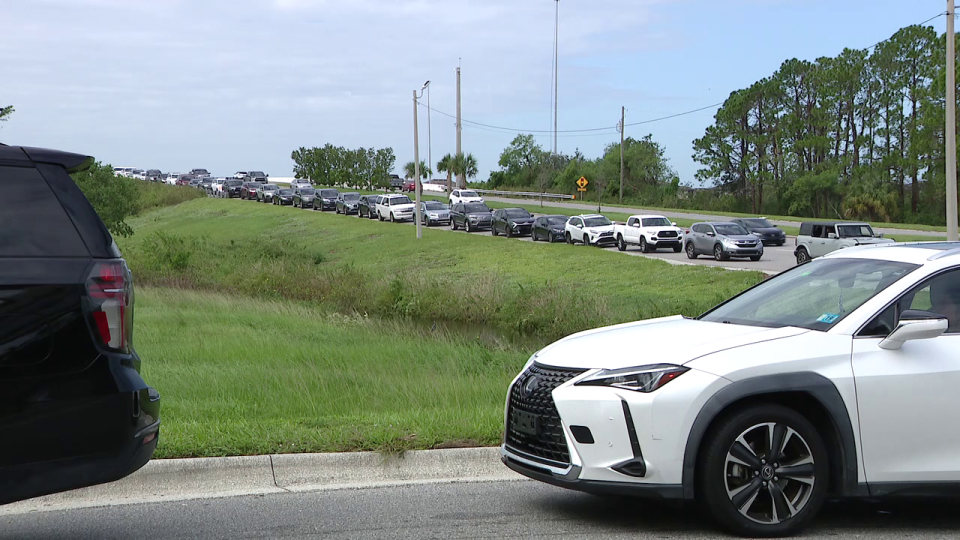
(775, 259)
(516, 509)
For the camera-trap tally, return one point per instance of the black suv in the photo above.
(74, 410)
(470, 216)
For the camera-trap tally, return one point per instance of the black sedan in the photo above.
(326, 199)
(767, 232)
(549, 228)
(511, 222)
(303, 196)
(347, 203)
(367, 206)
(283, 196)
(231, 189)
(470, 216)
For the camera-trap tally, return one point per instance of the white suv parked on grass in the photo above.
(836, 378)
(395, 208)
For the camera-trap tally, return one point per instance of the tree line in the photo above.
(462, 166)
(525, 165)
(339, 166)
(856, 136)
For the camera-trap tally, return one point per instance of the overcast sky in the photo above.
(236, 85)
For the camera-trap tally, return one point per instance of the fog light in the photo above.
(149, 438)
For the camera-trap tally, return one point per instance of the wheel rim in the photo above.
(718, 252)
(769, 473)
(690, 249)
(643, 244)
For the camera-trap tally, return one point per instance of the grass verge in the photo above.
(247, 376)
(352, 265)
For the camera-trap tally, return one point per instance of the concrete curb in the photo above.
(203, 478)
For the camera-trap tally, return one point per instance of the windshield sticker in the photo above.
(828, 318)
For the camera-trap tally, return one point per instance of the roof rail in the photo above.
(945, 253)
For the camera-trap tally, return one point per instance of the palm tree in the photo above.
(409, 170)
(464, 166)
(445, 165)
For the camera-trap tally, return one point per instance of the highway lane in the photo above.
(515, 509)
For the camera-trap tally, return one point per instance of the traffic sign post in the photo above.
(582, 184)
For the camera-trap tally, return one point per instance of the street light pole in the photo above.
(416, 165)
(950, 140)
(416, 154)
(429, 135)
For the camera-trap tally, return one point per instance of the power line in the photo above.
(941, 14)
(675, 115)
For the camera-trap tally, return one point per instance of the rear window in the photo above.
(32, 221)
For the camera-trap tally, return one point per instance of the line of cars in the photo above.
(722, 240)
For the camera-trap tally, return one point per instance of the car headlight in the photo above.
(729, 243)
(433, 216)
(640, 379)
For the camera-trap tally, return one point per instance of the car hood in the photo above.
(470, 199)
(668, 340)
(739, 237)
(862, 240)
(402, 207)
(521, 221)
(767, 230)
(656, 230)
(480, 214)
(598, 230)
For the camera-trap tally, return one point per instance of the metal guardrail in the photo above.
(531, 194)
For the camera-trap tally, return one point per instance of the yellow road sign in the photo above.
(582, 182)
(581, 189)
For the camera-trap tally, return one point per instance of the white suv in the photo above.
(836, 378)
(394, 208)
(464, 196)
(590, 229)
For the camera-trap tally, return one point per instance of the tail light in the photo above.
(110, 304)
(688, 231)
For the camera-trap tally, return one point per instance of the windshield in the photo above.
(256, 173)
(432, 205)
(233, 183)
(759, 223)
(270, 187)
(475, 208)
(815, 295)
(285, 192)
(517, 213)
(854, 231)
(400, 200)
(468, 194)
(351, 196)
(557, 221)
(599, 221)
(730, 229)
(329, 193)
(656, 222)
(307, 191)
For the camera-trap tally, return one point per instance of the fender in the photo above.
(815, 385)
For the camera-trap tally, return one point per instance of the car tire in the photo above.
(586, 239)
(781, 243)
(621, 245)
(493, 230)
(392, 219)
(468, 227)
(508, 233)
(735, 464)
(719, 254)
(550, 238)
(691, 251)
(677, 248)
(569, 238)
(755, 258)
(644, 246)
(802, 256)
(453, 225)
(533, 235)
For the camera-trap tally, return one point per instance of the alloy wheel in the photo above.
(769, 473)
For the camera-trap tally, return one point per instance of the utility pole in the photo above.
(459, 178)
(429, 135)
(623, 113)
(556, 68)
(416, 164)
(951, 127)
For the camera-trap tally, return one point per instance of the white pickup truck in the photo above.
(649, 232)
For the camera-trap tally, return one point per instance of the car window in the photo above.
(828, 230)
(656, 222)
(631, 221)
(599, 221)
(516, 213)
(730, 229)
(32, 221)
(816, 231)
(939, 294)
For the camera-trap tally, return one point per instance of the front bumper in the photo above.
(521, 230)
(326, 205)
(778, 240)
(604, 240)
(743, 252)
(481, 225)
(401, 216)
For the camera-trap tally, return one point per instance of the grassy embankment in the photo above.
(270, 329)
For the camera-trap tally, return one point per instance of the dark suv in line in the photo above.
(74, 411)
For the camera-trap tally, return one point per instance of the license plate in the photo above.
(524, 422)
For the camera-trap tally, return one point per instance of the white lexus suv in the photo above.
(836, 378)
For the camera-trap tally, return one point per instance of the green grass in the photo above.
(243, 376)
(155, 195)
(351, 265)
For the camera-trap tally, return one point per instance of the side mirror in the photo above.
(831, 235)
(915, 324)
(673, 223)
(636, 224)
(710, 233)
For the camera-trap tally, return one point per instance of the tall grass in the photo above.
(351, 265)
(155, 195)
(242, 376)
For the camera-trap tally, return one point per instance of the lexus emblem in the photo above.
(530, 385)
